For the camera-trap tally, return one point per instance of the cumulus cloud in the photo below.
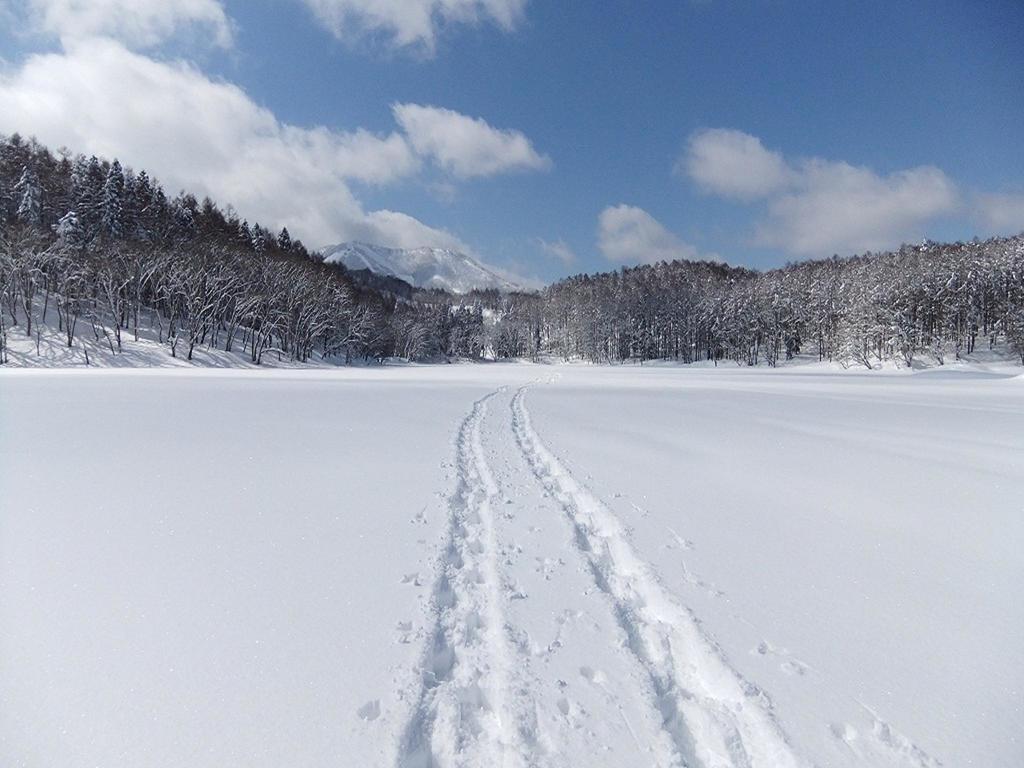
(629, 235)
(137, 23)
(360, 154)
(816, 207)
(734, 164)
(395, 229)
(412, 22)
(558, 249)
(839, 208)
(99, 97)
(1000, 213)
(466, 146)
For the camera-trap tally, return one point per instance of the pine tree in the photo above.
(30, 207)
(112, 211)
(259, 238)
(87, 193)
(185, 217)
(79, 182)
(143, 204)
(157, 216)
(4, 205)
(130, 206)
(69, 231)
(284, 240)
(245, 234)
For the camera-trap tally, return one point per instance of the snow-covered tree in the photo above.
(142, 202)
(88, 178)
(102, 243)
(112, 211)
(30, 203)
(70, 234)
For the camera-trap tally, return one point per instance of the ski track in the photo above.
(714, 718)
(475, 704)
(463, 716)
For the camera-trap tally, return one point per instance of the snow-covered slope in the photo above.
(422, 267)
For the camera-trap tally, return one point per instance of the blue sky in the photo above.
(549, 138)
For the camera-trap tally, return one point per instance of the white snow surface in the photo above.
(421, 267)
(511, 565)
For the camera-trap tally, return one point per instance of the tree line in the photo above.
(94, 247)
(933, 301)
(101, 249)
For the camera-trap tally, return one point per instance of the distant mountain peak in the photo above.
(424, 267)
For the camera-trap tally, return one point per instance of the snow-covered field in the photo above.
(511, 565)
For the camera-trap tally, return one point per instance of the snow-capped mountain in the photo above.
(422, 267)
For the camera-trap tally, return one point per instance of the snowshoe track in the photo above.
(713, 717)
(462, 716)
(475, 702)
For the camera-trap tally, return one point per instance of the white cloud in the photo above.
(137, 23)
(412, 22)
(843, 209)
(630, 235)
(734, 164)
(816, 207)
(1001, 213)
(395, 229)
(466, 146)
(360, 155)
(558, 249)
(99, 98)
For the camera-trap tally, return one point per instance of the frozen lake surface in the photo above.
(511, 565)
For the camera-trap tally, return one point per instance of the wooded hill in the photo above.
(94, 244)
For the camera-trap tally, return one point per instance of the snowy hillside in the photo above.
(421, 267)
(511, 565)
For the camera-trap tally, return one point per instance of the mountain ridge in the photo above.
(424, 267)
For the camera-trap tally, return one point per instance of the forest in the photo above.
(93, 247)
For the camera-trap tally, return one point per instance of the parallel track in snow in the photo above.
(713, 717)
(478, 703)
(462, 716)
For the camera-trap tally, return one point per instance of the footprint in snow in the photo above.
(793, 668)
(516, 592)
(405, 632)
(369, 711)
(844, 732)
(679, 540)
(790, 664)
